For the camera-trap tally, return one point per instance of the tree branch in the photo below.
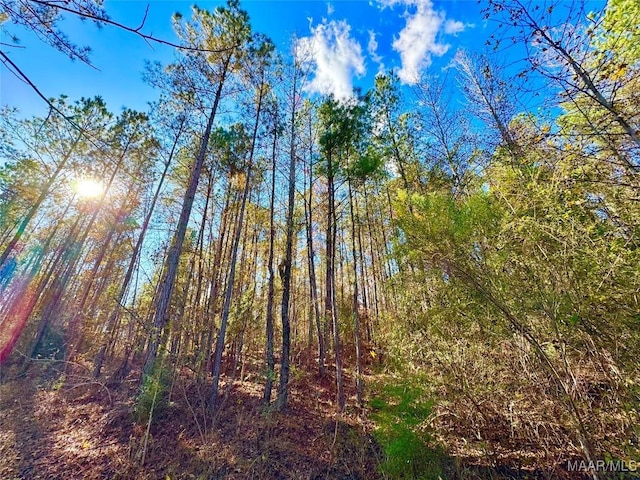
(147, 37)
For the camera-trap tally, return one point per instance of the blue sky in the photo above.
(349, 41)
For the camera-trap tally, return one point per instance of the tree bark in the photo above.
(270, 358)
(217, 363)
(283, 390)
(161, 317)
(356, 314)
(114, 316)
(330, 307)
(313, 287)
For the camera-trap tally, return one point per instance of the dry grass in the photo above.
(79, 430)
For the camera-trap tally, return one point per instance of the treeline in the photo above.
(483, 252)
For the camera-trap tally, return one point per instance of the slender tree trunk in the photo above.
(199, 303)
(283, 390)
(98, 295)
(249, 272)
(161, 316)
(270, 359)
(73, 254)
(341, 245)
(219, 257)
(375, 259)
(189, 304)
(363, 275)
(34, 267)
(75, 323)
(19, 307)
(313, 288)
(217, 363)
(7, 231)
(356, 315)
(67, 260)
(330, 306)
(63, 281)
(36, 206)
(114, 316)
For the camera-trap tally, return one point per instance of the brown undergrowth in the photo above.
(56, 423)
(67, 427)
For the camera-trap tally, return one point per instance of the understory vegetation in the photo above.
(426, 282)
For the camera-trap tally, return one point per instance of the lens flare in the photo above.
(89, 188)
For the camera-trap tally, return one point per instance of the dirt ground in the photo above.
(57, 423)
(67, 427)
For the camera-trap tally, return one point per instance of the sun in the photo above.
(88, 188)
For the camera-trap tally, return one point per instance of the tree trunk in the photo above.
(363, 275)
(330, 307)
(283, 390)
(270, 359)
(356, 315)
(36, 206)
(313, 288)
(219, 257)
(114, 316)
(161, 316)
(72, 255)
(217, 362)
(80, 315)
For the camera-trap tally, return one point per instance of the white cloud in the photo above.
(335, 58)
(330, 9)
(372, 49)
(388, 3)
(419, 40)
(452, 27)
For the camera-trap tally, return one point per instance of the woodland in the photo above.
(249, 281)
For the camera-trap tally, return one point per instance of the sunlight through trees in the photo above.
(437, 263)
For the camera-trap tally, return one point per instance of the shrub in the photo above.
(398, 411)
(152, 399)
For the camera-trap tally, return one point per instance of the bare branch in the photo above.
(144, 19)
(149, 38)
(23, 77)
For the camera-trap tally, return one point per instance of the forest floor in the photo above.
(65, 426)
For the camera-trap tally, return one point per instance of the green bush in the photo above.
(152, 399)
(398, 411)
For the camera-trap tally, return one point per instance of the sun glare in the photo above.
(89, 188)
